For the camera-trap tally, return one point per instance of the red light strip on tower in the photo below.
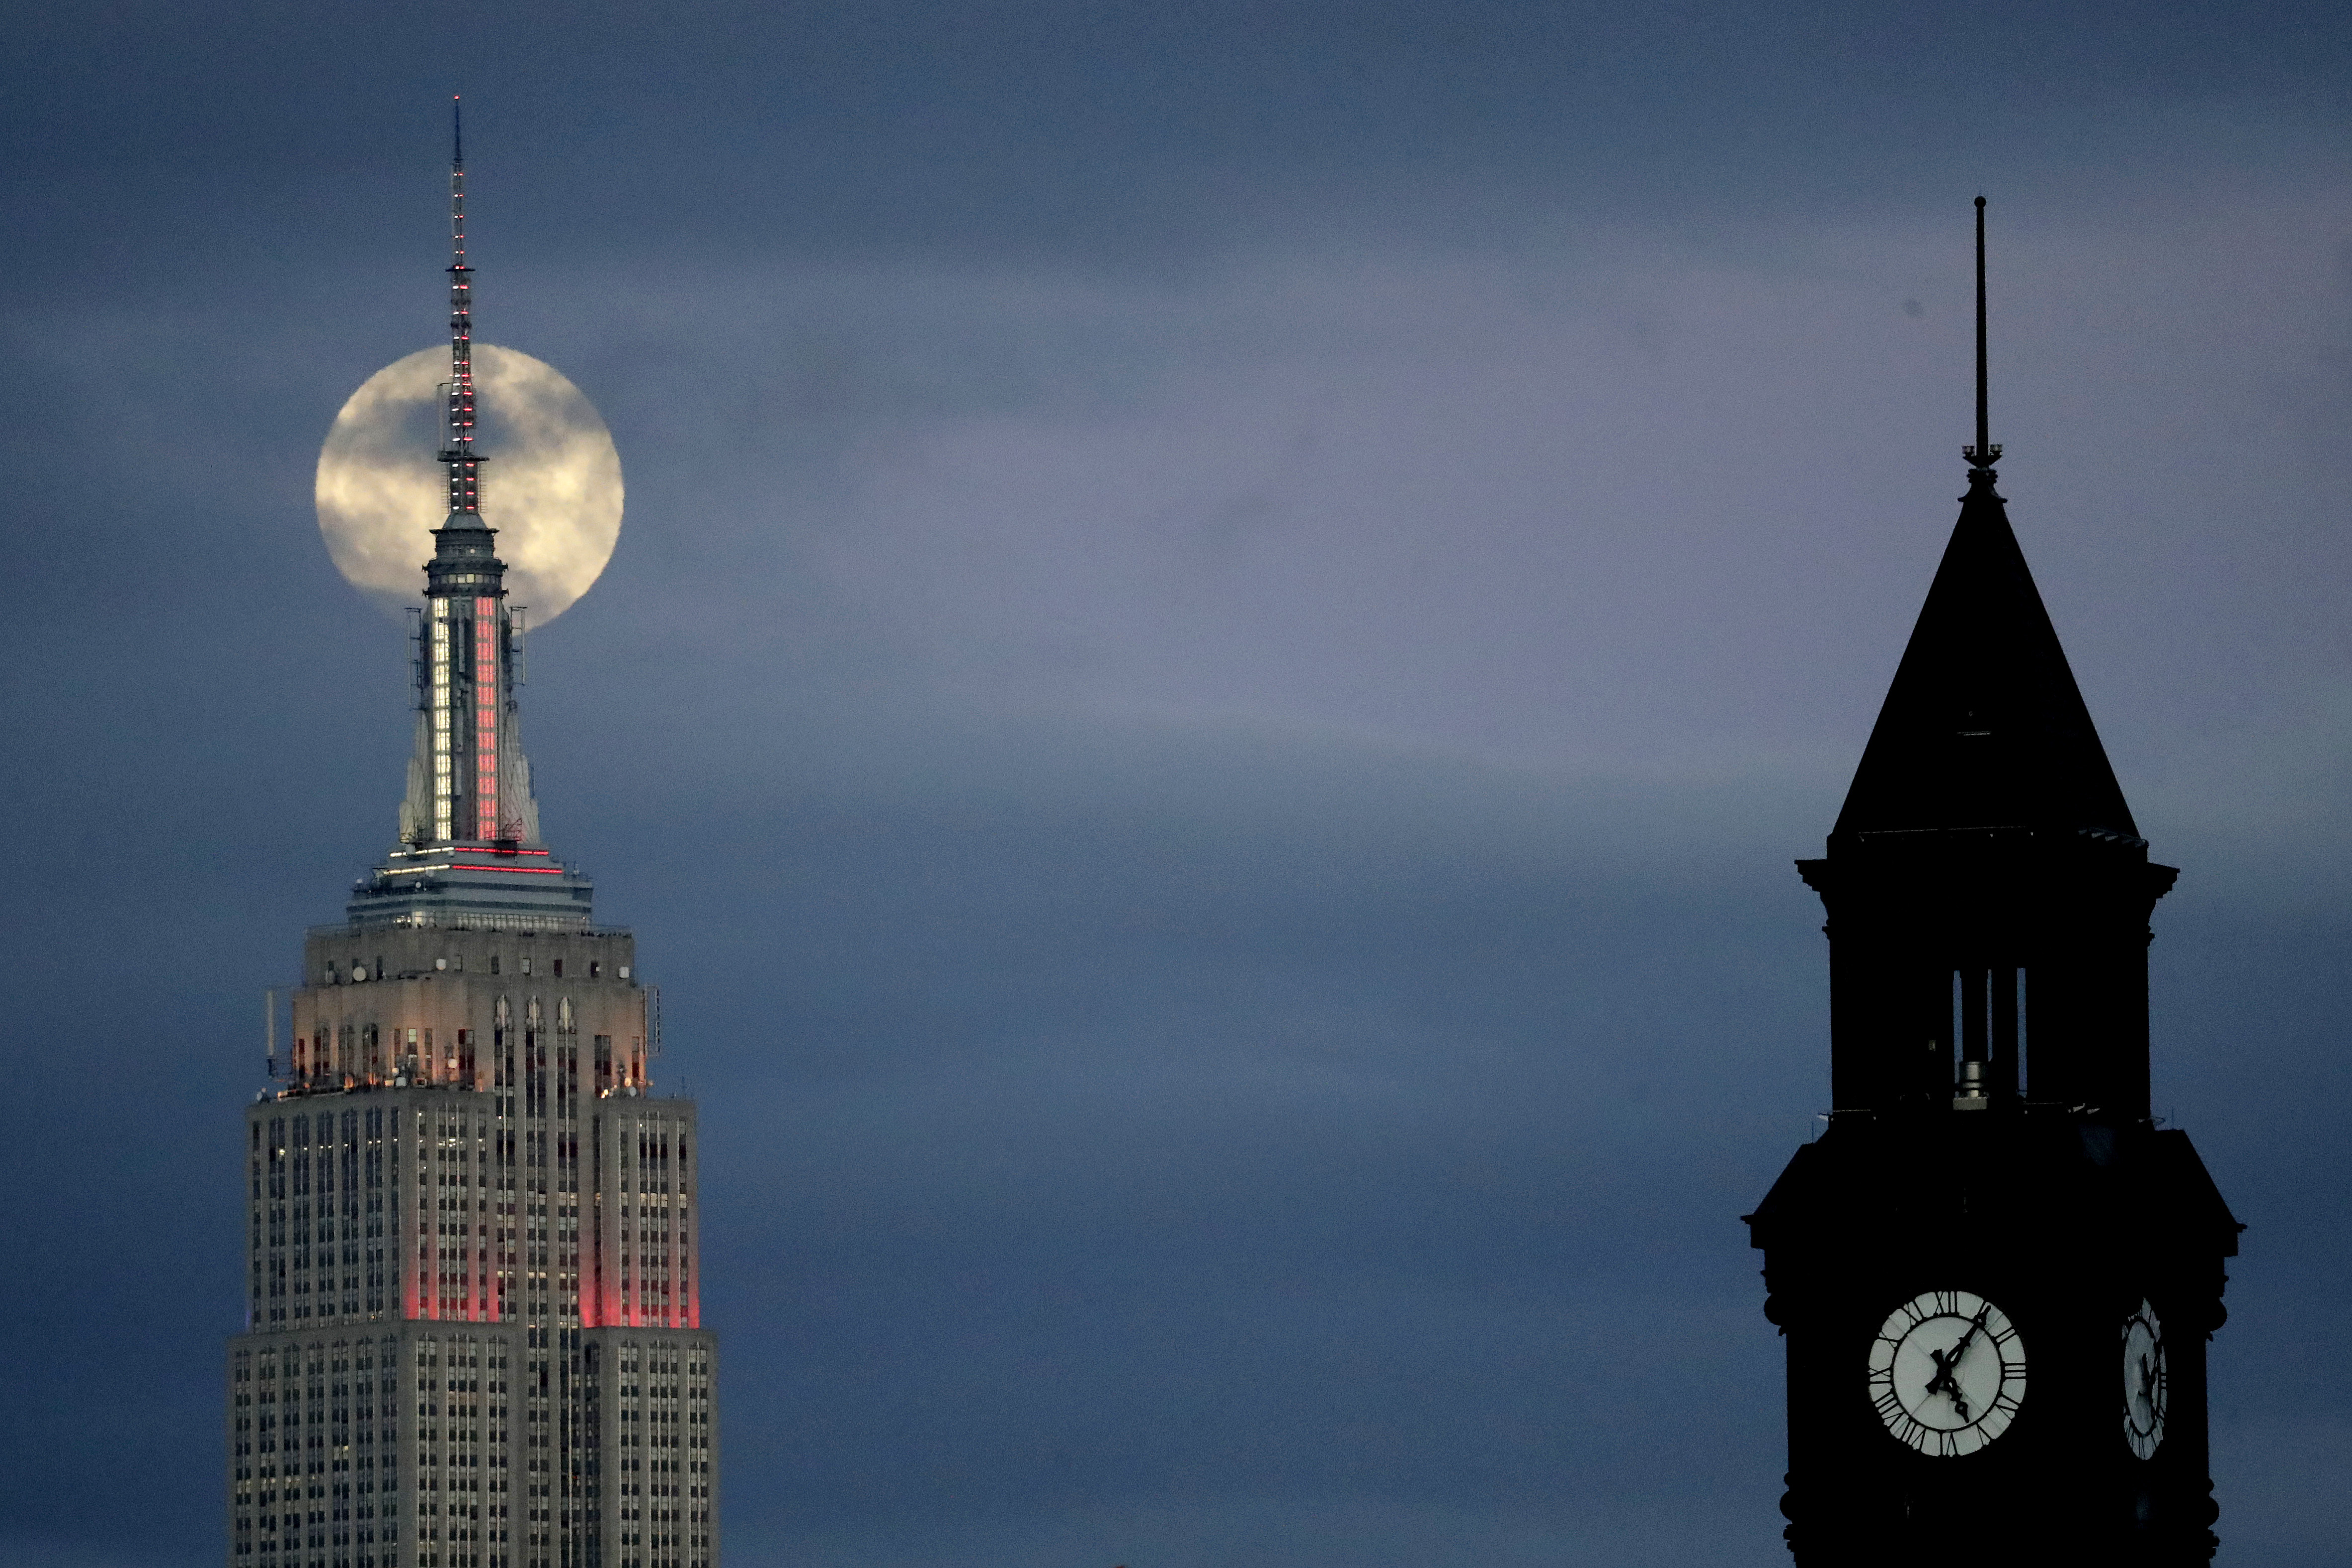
(488, 679)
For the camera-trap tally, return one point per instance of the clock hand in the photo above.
(1961, 1349)
(1943, 1380)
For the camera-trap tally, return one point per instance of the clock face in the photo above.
(2145, 1387)
(1948, 1372)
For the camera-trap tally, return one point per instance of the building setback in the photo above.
(473, 1332)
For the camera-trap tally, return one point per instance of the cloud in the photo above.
(1629, 504)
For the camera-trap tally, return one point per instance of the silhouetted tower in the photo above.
(1995, 1273)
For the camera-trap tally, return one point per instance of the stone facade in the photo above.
(473, 1313)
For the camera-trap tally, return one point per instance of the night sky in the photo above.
(1229, 617)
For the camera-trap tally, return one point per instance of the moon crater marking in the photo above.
(550, 486)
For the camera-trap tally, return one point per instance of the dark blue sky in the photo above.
(1229, 619)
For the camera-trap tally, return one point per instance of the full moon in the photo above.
(551, 479)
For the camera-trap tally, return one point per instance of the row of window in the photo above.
(358, 974)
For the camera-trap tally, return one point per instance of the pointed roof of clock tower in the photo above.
(1984, 725)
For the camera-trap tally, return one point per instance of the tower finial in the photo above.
(1981, 455)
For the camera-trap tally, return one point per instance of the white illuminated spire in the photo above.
(469, 845)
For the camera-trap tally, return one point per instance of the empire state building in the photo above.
(473, 1334)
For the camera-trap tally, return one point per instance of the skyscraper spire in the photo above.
(458, 450)
(470, 850)
(1983, 456)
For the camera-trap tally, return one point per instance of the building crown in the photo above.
(470, 851)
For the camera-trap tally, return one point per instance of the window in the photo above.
(1987, 1024)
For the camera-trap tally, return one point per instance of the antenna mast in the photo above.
(1982, 455)
(457, 452)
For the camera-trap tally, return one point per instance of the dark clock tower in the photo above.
(1995, 1271)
